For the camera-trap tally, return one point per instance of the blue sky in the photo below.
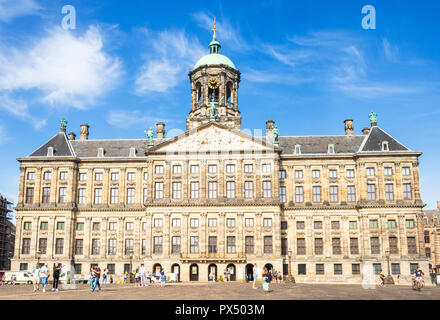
(308, 65)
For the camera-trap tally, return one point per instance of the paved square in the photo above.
(223, 291)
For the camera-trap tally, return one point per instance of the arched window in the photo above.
(199, 93)
(213, 93)
(229, 93)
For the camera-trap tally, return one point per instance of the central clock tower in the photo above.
(214, 87)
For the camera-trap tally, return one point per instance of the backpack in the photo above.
(269, 277)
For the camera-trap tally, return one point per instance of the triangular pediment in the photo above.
(213, 137)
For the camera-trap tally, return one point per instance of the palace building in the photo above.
(319, 208)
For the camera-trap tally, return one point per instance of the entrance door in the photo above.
(194, 272)
(175, 268)
(212, 272)
(249, 272)
(232, 271)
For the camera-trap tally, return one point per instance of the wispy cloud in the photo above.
(4, 137)
(390, 51)
(64, 69)
(20, 109)
(10, 9)
(126, 119)
(178, 52)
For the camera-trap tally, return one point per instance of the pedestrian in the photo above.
(433, 277)
(2, 281)
(163, 278)
(254, 276)
(267, 278)
(125, 277)
(143, 275)
(149, 277)
(36, 277)
(92, 277)
(97, 275)
(156, 276)
(13, 278)
(44, 274)
(275, 275)
(137, 277)
(104, 276)
(382, 279)
(56, 276)
(111, 279)
(398, 279)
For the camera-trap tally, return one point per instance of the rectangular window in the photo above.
(248, 168)
(111, 268)
(27, 226)
(47, 175)
(212, 244)
(60, 225)
(230, 244)
(406, 171)
(267, 189)
(81, 195)
(129, 246)
(284, 246)
(351, 193)
(407, 194)
(410, 223)
(282, 174)
(333, 174)
(212, 169)
(144, 226)
(143, 247)
(350, 173)
(194, 244)
(130, 195)
(388, 171)
(230, 168)
(354, 246)
(129, 226)
(80, 226)
(298, 174)
(299, 194)
(389, 193)
(316, 174)
(337, 269)
(29, 195)
(428, 252)
(158, 187)
(316, 194)
(267, 222)
(319, 246)
(194, 169)
(427, 237)
(62, 192)
(248, 189)
(145, 194)
(113, 226)
(42, 245)
(175, 244)
(373, 224)
(26, 246)
(177, 169)
(59, 246)
(356, 268)
(300, 225)
(302, 269)
(31, 175)
(412, 245)
(176, 223)
(212, 189)
(266, 168)
(145, 176)
(115, 176)
(377, 268)
(82, 176)
(78, 246)
(44, 225)
(158, 169)
(371, 190)
(194, 222)
(157, 241)
(392, 224)
(177, 190)
(283, 225)
(317, 225)
(23, 267)
(335, 225)
(301, 246)
(352, 225)
(375, 245)
(336, 245)
(333, 193)
(46, 195)
(77, 268)
(267, 244)
(98, 196)
(114, 195)
(413, 267)
(95, 246)
(112, 247)
(212, 222)
(158, 222)
(96, 226)
(249, 222)
(230, 222)
(370, 172)
(283, 194)
(319, 268)
(230, 189)
(98, 176)
(194, 187)
(395, 268)
(393, 245)
(131, 176)
(249, 244)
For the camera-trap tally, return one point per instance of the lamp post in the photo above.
(290, 277)
(389, 279)
(38, 256)
(131, 267)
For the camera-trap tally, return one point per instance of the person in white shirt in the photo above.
(254, 274)
(44, 274)
(143, 275)
(36, 277)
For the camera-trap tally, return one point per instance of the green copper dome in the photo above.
(214, 57)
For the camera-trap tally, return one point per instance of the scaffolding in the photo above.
(7, 234)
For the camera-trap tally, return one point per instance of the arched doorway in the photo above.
(175, 268)
(212, 272)
(249, 272)
(268, 266)
(194, 272)
(232, 271)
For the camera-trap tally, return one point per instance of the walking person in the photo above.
(44, 274)
(143, 275)
(267, 278)
(382, 279)
(97, 275)
(137, 277)
(124, 277)
(156, 276)
(254, 276)
(163, 278)
(2, 281)
(104, 276)
(56, 276)
(36, 277)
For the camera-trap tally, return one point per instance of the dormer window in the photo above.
(50, 152)
(132, 152)
(100, 152)
(331, 148)
(297, 149)
(385, 146)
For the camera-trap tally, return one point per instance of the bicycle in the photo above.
(418, 284)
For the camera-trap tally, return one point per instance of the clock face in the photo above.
(213, 83)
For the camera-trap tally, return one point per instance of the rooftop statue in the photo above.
(150, 135)
(276, 133)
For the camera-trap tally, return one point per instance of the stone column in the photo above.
(87, 237)
(185, 232)
(18, 236)
(203, 231)
(240, 238)
(222, 234)
(148, 235)
(22, 189)
(276, 231)
(106, 187)
(166, 236)
(54, 186)
(258, 244)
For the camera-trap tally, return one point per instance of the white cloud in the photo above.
(10, 9)
(178, 53)
(20, 109)
(65, 69)
(389, 50)
(126, 119)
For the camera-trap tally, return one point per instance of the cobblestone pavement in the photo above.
(222, 291)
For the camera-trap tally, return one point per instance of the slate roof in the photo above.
(375, 138)
(319, 144)
(60, 145)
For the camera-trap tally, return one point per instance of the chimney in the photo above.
(160, 130)
(269, 128)
(72, 136)
(365, 131)
(84, 135)
(348, 125)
